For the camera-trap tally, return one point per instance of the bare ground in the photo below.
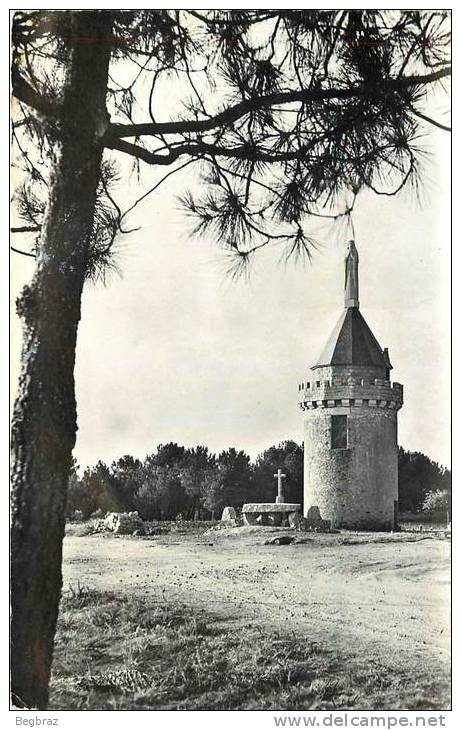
(368, 601)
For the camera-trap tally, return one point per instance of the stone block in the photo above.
(282, 540)
(269, 513)
(318, 525)
(261, 507)
(314, 522)
(229, 515)
(313, 513)
(294, 520)
(123, 523)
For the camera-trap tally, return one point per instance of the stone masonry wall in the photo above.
(349, 386)
(329, 372)
(356, 487)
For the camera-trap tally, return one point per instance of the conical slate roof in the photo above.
(353, 343)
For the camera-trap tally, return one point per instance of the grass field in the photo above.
(189, 622)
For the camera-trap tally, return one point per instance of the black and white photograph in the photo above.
(230, 365)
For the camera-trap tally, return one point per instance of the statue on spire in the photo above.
(351, 287)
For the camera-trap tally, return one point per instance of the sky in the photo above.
(175, 350)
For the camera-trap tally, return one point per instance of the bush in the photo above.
(436, 503)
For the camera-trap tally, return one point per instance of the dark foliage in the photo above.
(418, 476)
(198, 484)
(287, 114)
(289, 457)
(191, 482)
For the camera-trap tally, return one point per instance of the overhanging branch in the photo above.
(430, 120)
(198, 149)
(23, 253)
(233, 113)
(25, 229)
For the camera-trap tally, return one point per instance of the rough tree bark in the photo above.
(44, 421)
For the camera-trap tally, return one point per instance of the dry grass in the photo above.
(117, 652)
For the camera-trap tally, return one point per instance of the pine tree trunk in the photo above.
(44, 421)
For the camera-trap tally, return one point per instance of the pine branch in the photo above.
(23, 253)
(25, 229)
(430, 120)
(233, 113)
(244, 152)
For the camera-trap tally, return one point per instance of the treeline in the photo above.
(192, 482)
(423, 484)
(197, 484)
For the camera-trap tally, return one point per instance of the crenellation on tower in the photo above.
(350, 407)
(357, 388)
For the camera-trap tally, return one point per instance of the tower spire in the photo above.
(351, 286)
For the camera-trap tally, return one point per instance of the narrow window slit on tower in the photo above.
(339, 432)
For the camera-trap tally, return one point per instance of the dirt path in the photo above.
(388, 601)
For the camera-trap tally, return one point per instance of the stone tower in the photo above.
(350, 436)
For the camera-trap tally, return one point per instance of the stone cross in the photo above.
(279, 476)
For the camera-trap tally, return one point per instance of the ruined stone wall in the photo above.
(356, 487)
